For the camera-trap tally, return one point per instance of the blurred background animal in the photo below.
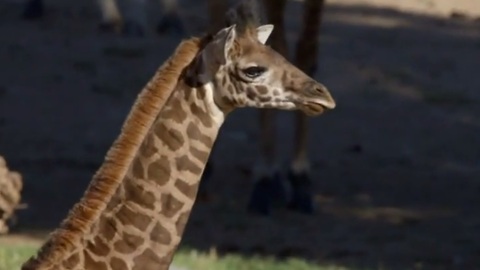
(10, 195)
(129, 17)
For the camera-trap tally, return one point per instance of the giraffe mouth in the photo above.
(313, 109)
(314, 101)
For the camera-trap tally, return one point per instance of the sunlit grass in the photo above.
(12, 256)
(192, 259)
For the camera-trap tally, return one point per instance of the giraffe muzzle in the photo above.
(317, 99)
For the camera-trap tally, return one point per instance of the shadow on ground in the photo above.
(396, 165)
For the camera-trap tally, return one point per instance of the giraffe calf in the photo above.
(137, 205)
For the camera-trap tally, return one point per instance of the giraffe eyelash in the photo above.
(253, 72)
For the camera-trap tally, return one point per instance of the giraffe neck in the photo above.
(170, 125)
(145, 219)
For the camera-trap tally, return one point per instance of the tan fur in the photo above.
(118, 159)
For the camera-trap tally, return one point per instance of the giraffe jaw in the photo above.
(313, 109)
(312, 106)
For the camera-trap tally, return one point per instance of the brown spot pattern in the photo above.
(172, 111)
(199, 154)
(264, 98)
(148, 260)
(160, 235)
(98, 247)
(90, 263)
(202, 115)
(181, 222)
(148, 199)
(170, 205)
(118, 264)
(189, 190)
(159, 171)
(136, 219)
(251, 93)
(184, 163)
(172, 138)
(71, 261)
(138, 195)
(108, 227)
(148, 148)
(128, 243)
(193, 132)
(262, 89)
(137, 169)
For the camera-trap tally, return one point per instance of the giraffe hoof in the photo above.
(302, 197)
(34, 9)
(266, 192)
(171, 24)
(133, 29)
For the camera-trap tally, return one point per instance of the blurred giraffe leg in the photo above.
(111, 18)
(306, 59)
(171, 22)
(33, 9)
(135, 17)
(268, 186)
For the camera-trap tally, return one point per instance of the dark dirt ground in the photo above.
(396, 164)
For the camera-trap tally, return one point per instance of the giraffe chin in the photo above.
(313, 109)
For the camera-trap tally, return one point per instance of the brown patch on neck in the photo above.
(118, 159)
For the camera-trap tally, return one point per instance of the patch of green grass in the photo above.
(194, 260)
(12, 257)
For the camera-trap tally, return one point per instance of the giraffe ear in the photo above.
(209, 60)
(263, 32)
(226, 37)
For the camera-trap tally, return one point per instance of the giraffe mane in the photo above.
(245, 15)
(106, 180)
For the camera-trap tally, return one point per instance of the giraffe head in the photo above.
(247, 73)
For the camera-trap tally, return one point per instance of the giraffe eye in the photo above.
(253, 72)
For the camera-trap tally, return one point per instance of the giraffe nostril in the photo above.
(319, 93)
(320, 88)
(316, 89)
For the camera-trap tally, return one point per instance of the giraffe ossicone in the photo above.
(134, 212)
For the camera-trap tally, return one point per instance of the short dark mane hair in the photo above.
(245, 15)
